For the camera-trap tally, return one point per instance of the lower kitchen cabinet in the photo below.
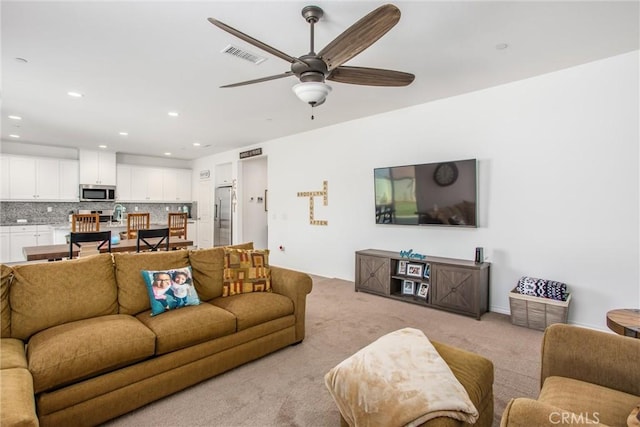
(454, 285)
(16, 237)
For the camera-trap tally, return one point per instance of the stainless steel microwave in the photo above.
(97, 193)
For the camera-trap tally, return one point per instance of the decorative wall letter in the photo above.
(325, 201)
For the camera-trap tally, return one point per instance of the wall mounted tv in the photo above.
(443, 193)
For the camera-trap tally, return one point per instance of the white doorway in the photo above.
(254, 199)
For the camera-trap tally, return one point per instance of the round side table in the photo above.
(625, 322)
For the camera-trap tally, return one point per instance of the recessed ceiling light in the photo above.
(502, 46)
(15, 117)
(13, 135)
(167, 154)
(196, 144)
(124, 133)
(173, 113)
(75, 94)
(102, 146)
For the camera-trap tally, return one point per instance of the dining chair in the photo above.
(178, 224)
(135, 222)
(98, 238)
(143, 235)
(85, 222)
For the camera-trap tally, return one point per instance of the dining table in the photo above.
(60, 251)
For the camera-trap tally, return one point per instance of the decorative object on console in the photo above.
(479, 256)
(408, 287)
(246, 271)
(415, 270)
(325, 201)
(412, 255)
(170, 289)
(423, 290)
(402, 267)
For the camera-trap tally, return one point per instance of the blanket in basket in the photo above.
(542, 288)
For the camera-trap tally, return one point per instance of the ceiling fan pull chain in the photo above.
(312, 112)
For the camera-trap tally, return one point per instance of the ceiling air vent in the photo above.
(243, 54)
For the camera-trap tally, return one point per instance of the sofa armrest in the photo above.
(524, 412)
(17, 403)
(592, 356)
(295, 285)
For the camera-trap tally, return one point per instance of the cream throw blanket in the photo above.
(398, 380)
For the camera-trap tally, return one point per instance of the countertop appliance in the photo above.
(95, 193)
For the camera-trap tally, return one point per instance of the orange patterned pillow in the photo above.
(246, 271)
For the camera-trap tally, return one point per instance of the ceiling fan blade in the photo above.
(263, 79)
(370, 76)
(251, 40)
(360, 36)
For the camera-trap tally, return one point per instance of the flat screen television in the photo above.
(443, 193)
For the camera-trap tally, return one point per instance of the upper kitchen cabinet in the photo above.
(26, 178)
(176, 184)
(146, 184)
(69, 182)
(153, 184)
(97, 167)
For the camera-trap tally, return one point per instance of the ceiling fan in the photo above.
(313, 68)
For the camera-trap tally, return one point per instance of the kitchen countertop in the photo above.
(67, 225)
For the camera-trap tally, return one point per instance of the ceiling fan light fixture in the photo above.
(313, 93)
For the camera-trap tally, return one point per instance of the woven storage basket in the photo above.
(536, 312)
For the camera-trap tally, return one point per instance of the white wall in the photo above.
(558, 185)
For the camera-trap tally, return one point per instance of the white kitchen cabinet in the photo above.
(5, 244)
(60, 235)
(146, 184)
(4, 185)
(176, 184)
(123, 186)
(33, 178)
(69, 180)
(27, 235)
(97, 167)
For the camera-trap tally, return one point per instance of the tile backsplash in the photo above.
(37, 212)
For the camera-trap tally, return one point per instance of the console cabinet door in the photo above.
(372, 274)
(456, 288)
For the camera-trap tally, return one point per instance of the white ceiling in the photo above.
(136, 61)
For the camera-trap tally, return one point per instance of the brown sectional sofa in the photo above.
(79, 346)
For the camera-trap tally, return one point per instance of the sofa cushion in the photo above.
(611, 407)
(246, 271)
(67, 353)
(182, 328)
(170, 289)
(208, 266)
(132, 291)
(44, 295)
(255, 308)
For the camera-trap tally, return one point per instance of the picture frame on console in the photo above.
(415, 270)
(423, 290)
(408, 287)
(402, 267)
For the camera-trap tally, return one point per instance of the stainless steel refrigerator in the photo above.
(222, 217)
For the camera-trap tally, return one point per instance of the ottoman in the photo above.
(405, 379)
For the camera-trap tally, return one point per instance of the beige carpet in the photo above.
(287, 388)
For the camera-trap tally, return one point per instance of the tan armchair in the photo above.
(587, 377)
